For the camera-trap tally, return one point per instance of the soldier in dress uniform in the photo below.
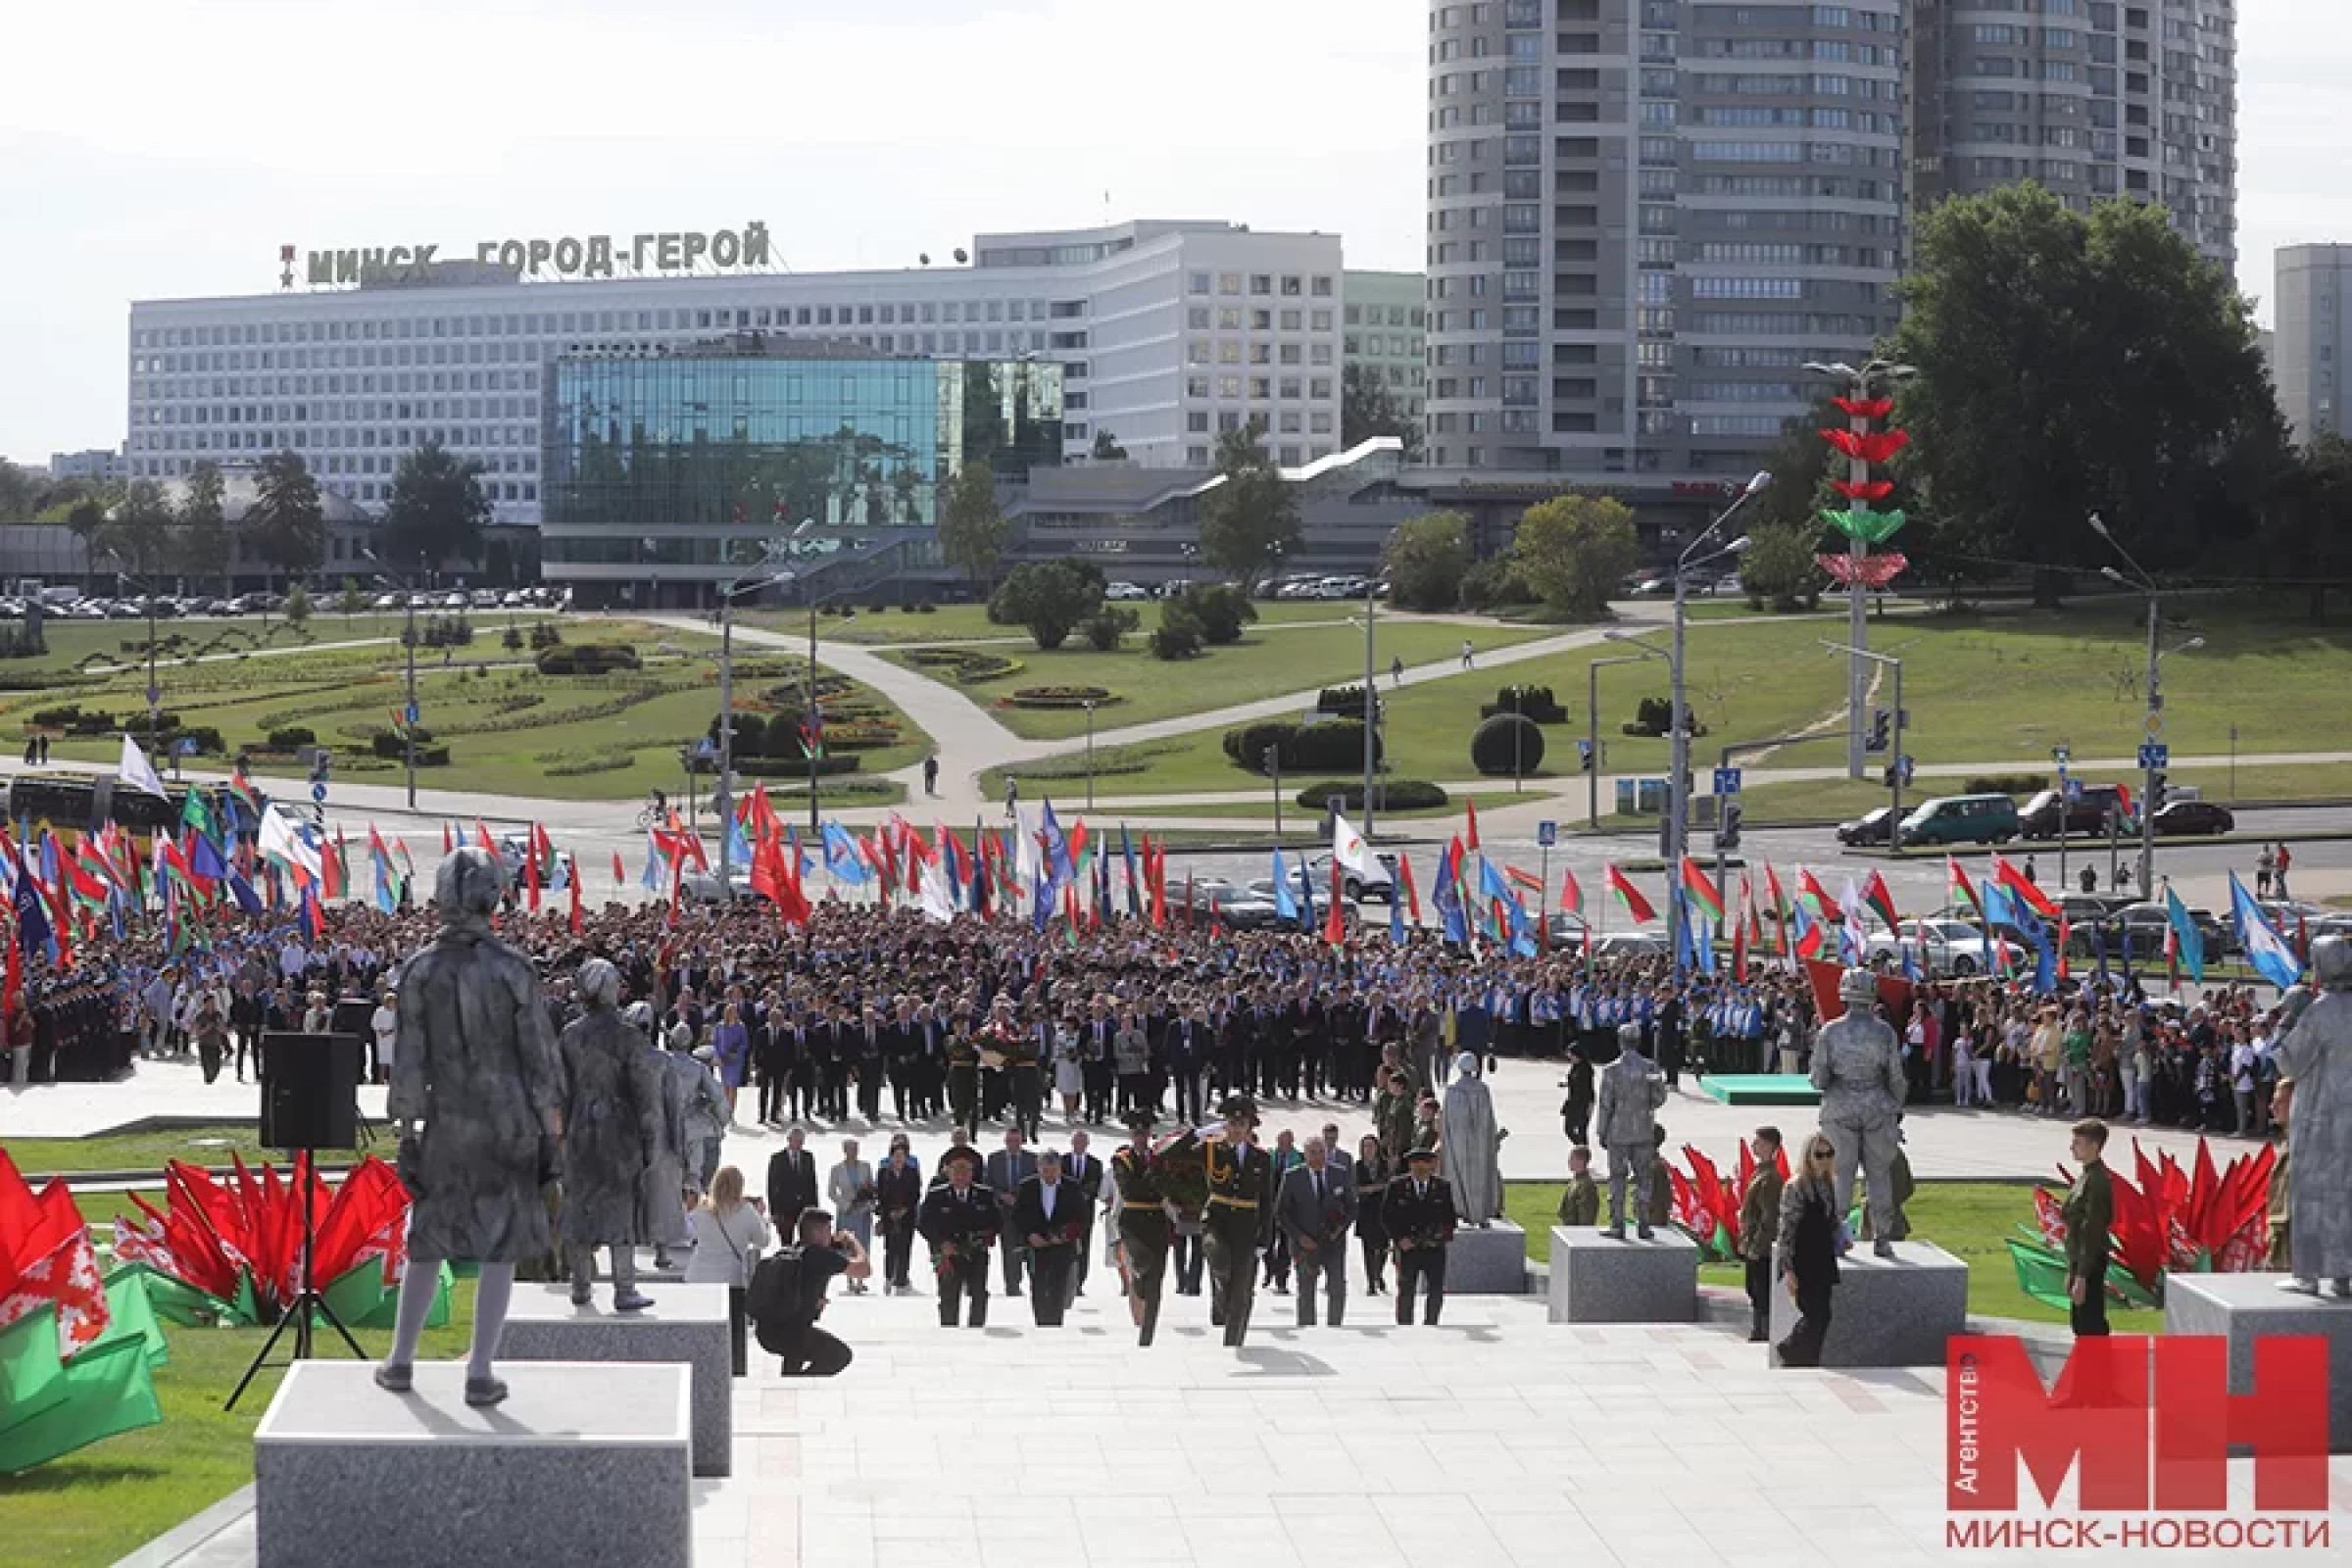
(1140, 1212)
(1418, 1211)
(961, 1221)
(1239, 1221)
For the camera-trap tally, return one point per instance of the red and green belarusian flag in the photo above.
(1634, 904)
(1881, 900)
(1572, 896)
(1704, 896)
(1958, 888)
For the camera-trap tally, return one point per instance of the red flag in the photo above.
(482, 836)
(1634, 904)
(1470, 834)
(620, 878)
(1881, 899)
(579, 921)
(1155, 872)
(1806, 882)
(1740, 951)
(2065, 931)
(2010, 878)
(530, 868)
(1412, 895)
(1572, 895)
(449, 843)
(1334, 924)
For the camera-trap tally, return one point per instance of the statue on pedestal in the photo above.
(476, 1098)
(1470, 1148)
(1632, 1089)
(1858, 1067)
(2314, 1055)
(612, 1131)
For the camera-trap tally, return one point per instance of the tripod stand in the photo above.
(308, 1301)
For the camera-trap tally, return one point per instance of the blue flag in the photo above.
(1446, 896)
(1306, 889)
(1396, 917)
(2266, 949)
(242, 891)
(1135, 895)
(841, 858)
(33, 921)
(2187, 940)
(1285, 907)
(1058, 869)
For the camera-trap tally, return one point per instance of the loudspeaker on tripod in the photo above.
(310, 1090)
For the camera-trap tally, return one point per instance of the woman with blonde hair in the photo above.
(1805, 1251)
(729, 1233)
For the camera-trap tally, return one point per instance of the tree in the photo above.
(1221, 610)
(202, 547)
(354, 598)
(286, 525)
(1048, 597)
(298, 607)
(137, 532)
(1107, 448)
(86, 521)
(1575, 550)
(1425, 559)
(1778, 570)
(2308, 537)
(1368, 409)
(437, 509)
(2071, 365)
(972, 530)
(1252, 519)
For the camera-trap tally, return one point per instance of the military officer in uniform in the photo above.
(961, 1221)
(1418, 1211)
(1239, 1221)
(1140, 1213)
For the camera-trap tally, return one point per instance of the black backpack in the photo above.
(773, 1301)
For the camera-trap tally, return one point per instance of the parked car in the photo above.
(2192, 819)
(1377, 889)
(1124, 592)
(1960, 819)
(1870, 827)
(2139, 930)
(512, 850)
(1235, 905)
(1945, 947)
(702, 887)
(1631, 945)
(483, 598)
(2085, 815)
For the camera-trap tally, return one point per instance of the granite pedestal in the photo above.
(1596, 1280)
(1487, 1262)
(686, 1324)
(1886, 1311)
(581, 1464)
(2243, 1309)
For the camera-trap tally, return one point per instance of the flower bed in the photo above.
(1059, 697)
(963, 666)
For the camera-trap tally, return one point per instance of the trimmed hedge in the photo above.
(1534, 702)
(963, 667)
(1506, 745)
(588, 658)
(1302, 747)
(1387, 795)
(829, 765)
(1654, 716)
(285, 740)
(2005, 784)
(1342, 700)
(1059, 697)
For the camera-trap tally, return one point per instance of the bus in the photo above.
(91, 801)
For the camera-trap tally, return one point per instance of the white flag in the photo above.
(135, 770)
(937, 900)
(1348, 848)
(281, 842)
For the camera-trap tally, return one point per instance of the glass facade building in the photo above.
(682, 468)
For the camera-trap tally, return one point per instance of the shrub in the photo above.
(1050, 597)
(925, 607)
(433, 757)
(1107, 627)
(827, 766)
(2005, 784)
(1180, 640)
(389, 742)
(1528, 702)
(546, 634)
(512, 639)
(1340, 699)
(1051, 696)
(589, 658)
(965, 665)
(56, 717)
(285, 740)
(1324, 747)
(207, 738)
(1387, 795)
(1496, 581)
(1654, 716)
(1506, 745)
(1222, 611)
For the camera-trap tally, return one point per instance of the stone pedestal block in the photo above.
(1596, 1280)
(686, 1324)
(1893, 1311)
(1487, 1262)
(581, 1464)
(2247, 1308)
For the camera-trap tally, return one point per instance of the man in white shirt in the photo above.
(385, 1022)
(1051, 1217)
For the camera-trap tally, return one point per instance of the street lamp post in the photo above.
(1677, 825)
(1860, 385)
(1371, 710)
(1894, 744)
(407, 605)
(1592, 714)
(2140, 579)
(1090, 754)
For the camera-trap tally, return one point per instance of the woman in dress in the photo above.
(1372, 1175)
(1069, 1065)
(729, 1234)
(733, 1044)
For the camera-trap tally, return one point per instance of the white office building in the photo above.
(2313, 338)
(1168, 333)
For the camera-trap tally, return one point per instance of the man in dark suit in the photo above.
(1085, 1173)
(959, 1218)
(1048, 1218)
(1007, 1168)
(791, 1180)
(1418, 1213)
(1239, 1222)
(1315, 1209)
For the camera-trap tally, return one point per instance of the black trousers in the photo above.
(1426, 1265)
(897, 1250)
(1028, 1101)
(1050, 1283)
(963, 1097)
(1759, 1290)
(1229, 1237)
(2090, 1318)
(737, 1322)
(1188, 1264)
(1146, 1249)
(1376, 1258)
(815, 1354)
(960, 1278)
(869, 1091)
(772, 1088)
(1803, 1346)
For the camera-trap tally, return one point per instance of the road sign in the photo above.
(1726, 781)
(155, 695)
(2155, 754)
(411, 715)
(1904, 769)
(319, 792)
(2073, 788)
(1547, 833)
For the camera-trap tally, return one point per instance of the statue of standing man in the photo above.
(478, 1098)
(2315, 1077)
(1626, 1119)
(1858, 1067)
(612, 1131)
(1470, 1148)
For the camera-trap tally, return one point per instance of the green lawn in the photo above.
(1293, 815)
(1268, 662)
(971, 622)
(1997, 687)
(1966, 1219)
(147, 1149)
(92, 1508)
(510, 729)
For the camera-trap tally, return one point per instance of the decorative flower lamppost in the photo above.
(1858, 570)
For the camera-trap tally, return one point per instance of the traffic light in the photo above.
(1583, 756)
(1882, 724)
(2155, 791)
(319, 762)
(1726, 826)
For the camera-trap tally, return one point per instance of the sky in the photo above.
(156, 149)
